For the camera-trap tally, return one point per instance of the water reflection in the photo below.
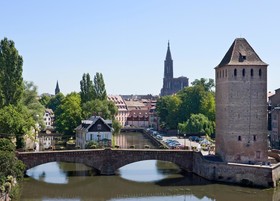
(172, 185)
(153, 171)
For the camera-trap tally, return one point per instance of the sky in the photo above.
(126, 40)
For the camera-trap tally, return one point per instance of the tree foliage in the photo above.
(87, 89)
(196, 99)
(55, 101)
(30, 100)
(6, 145)
(44, 100)
(68, 114)
(197, 123)
(11, 81)
(99, 87)
(207, 84)
(10, 165)
(117, 127)
(104, 108)
(16, 121)
(168, 109)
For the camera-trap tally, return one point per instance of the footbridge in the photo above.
(107, 161)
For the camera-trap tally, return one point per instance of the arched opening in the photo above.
(235, 72)
(243, 72)
(260, 72)
(252, 72)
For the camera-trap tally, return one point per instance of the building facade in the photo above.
(274, 119)
(94, 129)
(241, 105)
(171, 85)
(122, 109)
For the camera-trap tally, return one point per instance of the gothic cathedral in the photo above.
(171, 85)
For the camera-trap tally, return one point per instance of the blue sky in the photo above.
(126, 40)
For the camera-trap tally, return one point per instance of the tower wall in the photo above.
(241, 125)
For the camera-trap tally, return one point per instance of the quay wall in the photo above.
(241, 174)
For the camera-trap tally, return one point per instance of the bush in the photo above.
(132, 147)
(146, 146)
(6, 145)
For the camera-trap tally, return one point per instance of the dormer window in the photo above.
(242, 57)
(99, 127)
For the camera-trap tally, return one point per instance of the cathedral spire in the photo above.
(168, 64)
(57, 90)
(168, 54)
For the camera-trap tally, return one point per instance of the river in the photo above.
(142, 181)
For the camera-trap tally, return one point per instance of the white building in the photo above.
(94, 129)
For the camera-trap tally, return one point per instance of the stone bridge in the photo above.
(107, 161)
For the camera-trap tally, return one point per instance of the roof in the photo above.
(241, 53)
(86, 124)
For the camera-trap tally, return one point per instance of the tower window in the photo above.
(239, 138)
(252, 72)
(260, 72)
(243, 72)
(255, 138)
(235, 72)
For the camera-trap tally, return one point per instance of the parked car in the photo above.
(159, 137)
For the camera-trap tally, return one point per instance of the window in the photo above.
(255, 138)
(99, 127)
(258, 154)
(252, 72)
(239, 138)
(260, 72)
(235, 72)
(243, 72)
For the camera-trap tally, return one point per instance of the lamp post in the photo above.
(184, 140)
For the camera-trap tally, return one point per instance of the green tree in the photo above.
(167, 109)
(207, 84)
(87, 89)
(68, 114)
(6, 145)
(99, 87)
(44, 100)
(55, 101)
(197, 123)
(117, 127)
(104, 108)
(196, 99)
(10, 165)
(16, 121)
(11, 81)
(30, 100)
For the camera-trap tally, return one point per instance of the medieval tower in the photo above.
(241, 109)
(171, 85)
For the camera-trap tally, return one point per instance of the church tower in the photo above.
(168, 65)
(241, 109)
(57, 90)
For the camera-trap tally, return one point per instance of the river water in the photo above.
(142, 181)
